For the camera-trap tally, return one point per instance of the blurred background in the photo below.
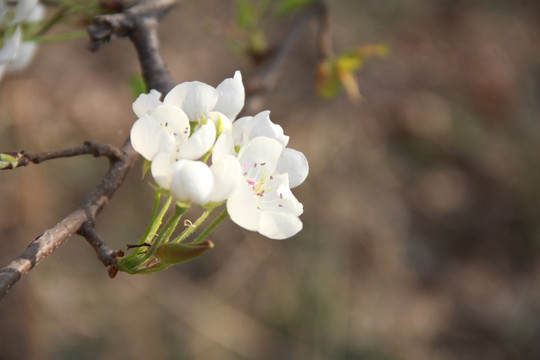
(421, 226)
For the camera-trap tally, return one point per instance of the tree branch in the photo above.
(81, 219)
(104, 253)
(88, 148)
(139, 23)
(270, 73)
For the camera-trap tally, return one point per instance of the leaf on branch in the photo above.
(11, 160)
(169, 254)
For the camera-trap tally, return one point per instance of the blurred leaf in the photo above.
(337, 72)
(246, 16)
(247, 33)
(287, 6)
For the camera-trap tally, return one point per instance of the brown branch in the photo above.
(88, 148)
(80, 220)
(104, 253)
(139, 23)
(270, 73)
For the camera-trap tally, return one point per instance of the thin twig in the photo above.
(269, 74)
(104, 253)
(52, 238)
(88, 148)
(139, 23)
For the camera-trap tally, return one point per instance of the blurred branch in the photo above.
(270, 73)
(141, 18)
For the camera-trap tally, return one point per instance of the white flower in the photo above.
(262, 201)
(176, 133)
(291, 161)
(207, 110)
(160, 130)
(195, 181)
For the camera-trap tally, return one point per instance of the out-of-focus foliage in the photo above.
(339, 71)
(246, 34)
(287, 6)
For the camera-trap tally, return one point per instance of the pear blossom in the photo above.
(262, 200)
(174, 134)
(251, 167)
(291, 161)
(195, 181)
(208, 111)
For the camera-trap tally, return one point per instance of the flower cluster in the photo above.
(16, 54)
(250, 166)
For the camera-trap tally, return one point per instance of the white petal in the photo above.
(149, 138)
(242, 207)
(24, 9)
(261, 125)
(37, 14)
(195, 98)
(279, 198)
(279, 226)
(173, 120)
(259, 155)
(24, 55)
(2, 71)
(161, 168)
(224, 146)
(227, 174)
(146, 103)
(11, 44)
(199, 142)
(295, 164)
(231, 96)
(222, 121)
(238, 130)
(192, 181)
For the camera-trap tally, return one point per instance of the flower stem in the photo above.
(155, 222)
(60, 37)
(193, 227)
(165, 233)
(209, 229)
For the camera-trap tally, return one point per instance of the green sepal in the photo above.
(169, 254)
(147, 164)
(137, 85)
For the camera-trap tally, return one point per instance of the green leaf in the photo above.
(11, 160)
(339, 71)
(169, 254)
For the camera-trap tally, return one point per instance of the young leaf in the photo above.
(169, 254)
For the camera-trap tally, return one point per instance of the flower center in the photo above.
(256, 177)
